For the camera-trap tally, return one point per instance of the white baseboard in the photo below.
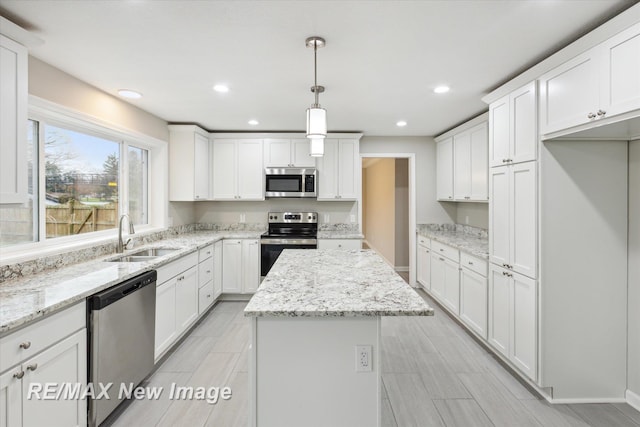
(402, 268)
(586, 400)
(633, 399)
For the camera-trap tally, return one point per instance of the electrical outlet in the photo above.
(242, 218)
(364, 360)
(466, 219)
(353, 218)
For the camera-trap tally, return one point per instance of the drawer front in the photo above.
(445, 250)
(40, 335)
(205, 297)
(424, 241)
(205, 253)
(473, 263)
(345, 244)
(176, 267)
(205, 272)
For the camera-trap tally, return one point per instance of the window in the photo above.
(89, 178)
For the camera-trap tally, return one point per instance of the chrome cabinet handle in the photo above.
(441, 259)
(25, 345)
(591, 116)
(18, 375)
(441, 250)
(601, 113)
(505, 160)
(32, 367)
(470, 263)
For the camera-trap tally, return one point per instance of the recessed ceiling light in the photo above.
(128, 93)
(441, 89)
(254, 122)
(401, 123)
(221, 88)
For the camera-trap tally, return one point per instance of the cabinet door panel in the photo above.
(165, 316)
(250, 265)
(499, 310)
(462, 166)
(621, 72)
(452, 286)
(499, 132)
(202, 177)
(277, 152)
(349, 169)
(62, 363)
(523, 348)
(327, 166)
(224, 170)
(250, 170)
(300, 149)
(499, 215)
(479, 163)
(523, 247)
(569, 93)
(217, 269)
(444, 169)
(424, 266)
(11, 398)
(232, 266)
(186, 299)
(524, 119)
(473, 301)
(438, 276)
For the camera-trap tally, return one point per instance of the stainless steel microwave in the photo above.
(290, 182)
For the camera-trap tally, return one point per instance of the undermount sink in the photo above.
(143, 255)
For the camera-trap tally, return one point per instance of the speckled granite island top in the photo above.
(334, 283)
(26, 299)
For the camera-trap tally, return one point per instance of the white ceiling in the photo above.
(380, 65)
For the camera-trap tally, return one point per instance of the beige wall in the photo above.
(474, 214)
(402, 213)
(379, 203)
(633, 381)
(428, 210)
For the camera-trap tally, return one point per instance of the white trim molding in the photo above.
(633, 399)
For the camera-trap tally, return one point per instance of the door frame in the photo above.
(412, 204)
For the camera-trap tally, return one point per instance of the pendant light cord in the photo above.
(315, 72)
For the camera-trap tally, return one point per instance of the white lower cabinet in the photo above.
(346, 244)
(473, 300)
(240, 265)
(512, 328)
(445, 277)
(217, 269)
(37, 362)
(424, 266)
(177, 299)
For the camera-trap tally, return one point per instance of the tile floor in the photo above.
(434, 374)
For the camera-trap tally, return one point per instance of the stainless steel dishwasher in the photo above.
(121, 340)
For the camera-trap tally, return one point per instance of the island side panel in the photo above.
(304, 372)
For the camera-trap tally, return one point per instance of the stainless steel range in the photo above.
(287, 230)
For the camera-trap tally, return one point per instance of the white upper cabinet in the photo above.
(338, 170)
(444, 169)
(13, 119)
(512, 127)
(189, 163)
(470, 165)
(620, 90)
(238, 169)
(288, 153)
(600, 83)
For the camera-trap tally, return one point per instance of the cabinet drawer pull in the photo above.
(591, 116)
(18, 375)
(470, 263)
(601, 113)
(441, 250)
(505, 160)
(25, 345)
(32, 367)
(441, 259)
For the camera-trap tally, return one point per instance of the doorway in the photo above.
(387, 212)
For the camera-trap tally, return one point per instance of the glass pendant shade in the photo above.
(316, 123)
(317, 147)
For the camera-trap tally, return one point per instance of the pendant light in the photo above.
(316, 116)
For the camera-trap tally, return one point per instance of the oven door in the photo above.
(272, 248)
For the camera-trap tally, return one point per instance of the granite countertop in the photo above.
(334, 283)
(474, 243)
(340, 234)
(25, 299)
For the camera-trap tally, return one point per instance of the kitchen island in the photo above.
(315, 350)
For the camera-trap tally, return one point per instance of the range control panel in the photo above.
(293, 217)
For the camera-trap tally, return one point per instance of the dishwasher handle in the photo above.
(109, 296)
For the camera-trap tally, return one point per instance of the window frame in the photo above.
(48, 113)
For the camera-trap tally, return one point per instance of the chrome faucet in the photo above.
(122, 244)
